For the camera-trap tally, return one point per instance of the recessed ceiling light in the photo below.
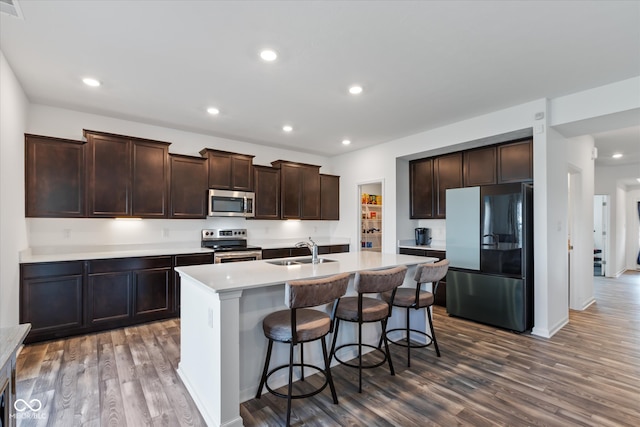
(346, 142)
(268, 55)
(617, 155)
(91, 82)
(638, 179)
(287, 128)
(213, 111)
(355, 90)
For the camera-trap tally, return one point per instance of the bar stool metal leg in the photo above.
(433, 333)
(290, 384)
(263, 379)
(327, 367)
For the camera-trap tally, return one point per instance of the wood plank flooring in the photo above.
(588, 374)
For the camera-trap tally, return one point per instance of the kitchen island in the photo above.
(222, 346)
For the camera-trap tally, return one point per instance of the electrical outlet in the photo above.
(66, 233)
(165, 232)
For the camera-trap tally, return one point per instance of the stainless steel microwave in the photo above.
(231, 203)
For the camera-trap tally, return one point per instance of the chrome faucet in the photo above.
(311, 245)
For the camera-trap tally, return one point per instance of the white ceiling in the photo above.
(422, 64)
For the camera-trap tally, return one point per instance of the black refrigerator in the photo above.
(490, 249)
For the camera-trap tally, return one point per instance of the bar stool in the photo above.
(363, 309)
(416, 299)
(301, 324)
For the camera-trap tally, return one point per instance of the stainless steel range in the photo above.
(230, 245)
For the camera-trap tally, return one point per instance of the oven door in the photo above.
(236, 256)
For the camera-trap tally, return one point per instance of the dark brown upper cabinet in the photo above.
(448, 174)
(55, 177)
(229, 171)
(267, 189)
(515, 162)
(299, 190)
(126, 176)
(421, 188)
(188, 189)
(479, 166)
(329, 197)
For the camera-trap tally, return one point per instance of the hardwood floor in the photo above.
(587, 374)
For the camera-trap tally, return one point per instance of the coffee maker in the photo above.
(423, 236)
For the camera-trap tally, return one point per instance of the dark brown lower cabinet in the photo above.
(441, 294)
(129, 290)
(52, 299)
(109, 298)
(61, 299)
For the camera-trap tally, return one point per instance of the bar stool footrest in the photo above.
(351, 365)
(410, 343)
(297, 396)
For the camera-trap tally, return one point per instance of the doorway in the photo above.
(600, 234)
(371, 216)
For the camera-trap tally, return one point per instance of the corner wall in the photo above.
(579, 159)
(14, 107)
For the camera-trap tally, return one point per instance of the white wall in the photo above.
(581, 164)
(57, 232)
(608, 181)
(13, 235)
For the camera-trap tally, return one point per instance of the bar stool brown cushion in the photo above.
(311, 325)
(405, 297)
(372, 309)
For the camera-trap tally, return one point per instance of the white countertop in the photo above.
(436, 245)
(254, 274)
(10, 339)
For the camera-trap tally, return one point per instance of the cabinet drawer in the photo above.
(276, 253)
(193, 259)
(128, 264)
(48, 269)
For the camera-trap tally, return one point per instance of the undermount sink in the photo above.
(310, 260)
(299, 261)
(283, 262)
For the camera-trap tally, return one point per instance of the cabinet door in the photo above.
(480, 167)
(153, 293)
(52, 304)
(109, 173)
(290, 197)
(109, 298)
(242, 173)
(330, 197)
(229, 171)
(515, 162)
(219, 170)
(55, 177)
(150, 179)
(310, 193)
(421, 188)
(448, 174)
(267, 189)
(188, 192)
